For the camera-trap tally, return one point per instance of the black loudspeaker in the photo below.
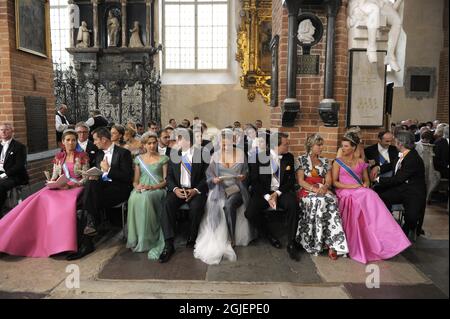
(389, 97)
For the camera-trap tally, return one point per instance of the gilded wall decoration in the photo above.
(253, 48)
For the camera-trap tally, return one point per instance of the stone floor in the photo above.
(261, 271)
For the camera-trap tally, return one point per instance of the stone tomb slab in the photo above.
(260, 262)
(127, 265)
(420, 291)
(432, 258)
(20, 295)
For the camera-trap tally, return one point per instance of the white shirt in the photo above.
(185, 178)
(5, 145)
(384, 152)
(108, 156)
(401, 156)
(274, 184)
(83, 145)
(90, 121)
(60, 127)
(162, 150)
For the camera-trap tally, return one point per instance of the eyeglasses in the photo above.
(82, 132)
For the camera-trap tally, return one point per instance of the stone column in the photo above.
(332, 7)
(148, 24)
(124, 23)
(328, 107)
(71, 17)
(95, 22)
(291, 105)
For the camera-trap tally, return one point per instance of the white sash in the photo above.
(146, 170)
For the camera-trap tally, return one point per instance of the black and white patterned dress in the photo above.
(320, 224)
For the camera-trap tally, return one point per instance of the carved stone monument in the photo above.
(306, 31)
(113, 26)
(135, 39)
(310, 32)
(366, 91)
(113, 71)
(371, 24)
(83, 38)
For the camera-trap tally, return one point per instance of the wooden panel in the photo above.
(36, 115)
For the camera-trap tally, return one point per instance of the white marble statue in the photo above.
(74, 15)
(113, 29)
(367, 12)
(306, 32)
(135, 39)
(83, 38)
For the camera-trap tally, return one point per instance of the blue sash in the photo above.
(146, 170)
(67, 173)
(275, 169)
(105, 178)
(78, 148)
(349, 171)
(187, 165)
(382, 159)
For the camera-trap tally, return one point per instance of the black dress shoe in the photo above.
(274, 242)
(82, 251)
(166, 254)
(412, 235)
(190, 243)
(293, 252)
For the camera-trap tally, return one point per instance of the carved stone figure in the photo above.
(113, 29)
(83, 38)
(306, 32)
(367, 12)
(135, 39)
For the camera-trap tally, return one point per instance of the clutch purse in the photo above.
(230, 190)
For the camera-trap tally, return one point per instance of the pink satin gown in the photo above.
(371, 230)
(42, 225)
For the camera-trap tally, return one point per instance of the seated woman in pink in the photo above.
(45, 223)
(372, 233)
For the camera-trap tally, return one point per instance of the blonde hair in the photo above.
(131, 131)
(147, 136)
(313, 140)
(131, 125)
